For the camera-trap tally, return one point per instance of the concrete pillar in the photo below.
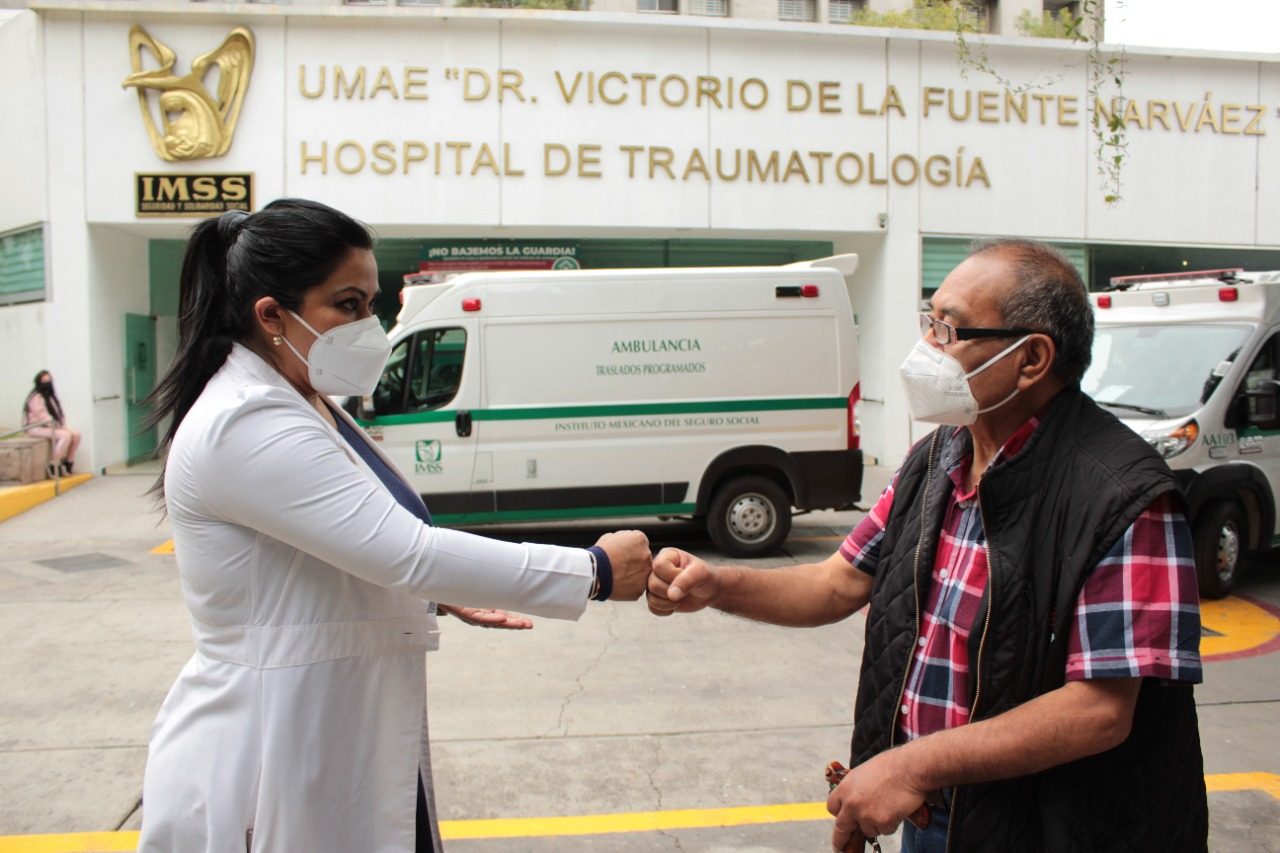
(68, 353)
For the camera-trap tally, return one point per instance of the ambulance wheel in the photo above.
(749, 516)
(1219, 538)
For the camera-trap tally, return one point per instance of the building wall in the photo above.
(22, 341)
(754, 10)
(22, 327)
(68, 342)
(23, 108)
(577, 145)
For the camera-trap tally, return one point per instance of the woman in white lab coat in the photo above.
(309, 565)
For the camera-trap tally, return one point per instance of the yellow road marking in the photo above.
(602, 824)
(597, 824)
(163, 548)
(1266, 782)
(1242, 624)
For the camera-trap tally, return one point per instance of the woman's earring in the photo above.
(277, 340)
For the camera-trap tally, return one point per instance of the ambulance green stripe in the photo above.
(1257, 432)
(556, 514)
(611, 410)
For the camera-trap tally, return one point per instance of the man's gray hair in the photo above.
(1050, 297)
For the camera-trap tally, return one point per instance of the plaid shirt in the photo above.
(1138, 614)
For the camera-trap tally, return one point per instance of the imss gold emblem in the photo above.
(194, 122)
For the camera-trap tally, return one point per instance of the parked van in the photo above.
(722, 394)
(1191, 361)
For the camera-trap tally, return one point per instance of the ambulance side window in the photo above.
(436, 370)
(388, 397)
(1260, 392)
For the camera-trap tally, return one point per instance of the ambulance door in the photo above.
(421, 416)
(1258, 439)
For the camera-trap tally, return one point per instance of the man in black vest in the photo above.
(1033, 634)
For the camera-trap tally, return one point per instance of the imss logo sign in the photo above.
(427, 457)
(192, 194)
(186, 121)
(194, 124)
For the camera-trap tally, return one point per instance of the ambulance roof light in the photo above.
(1124, 282)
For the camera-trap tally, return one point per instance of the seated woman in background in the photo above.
(42, 418)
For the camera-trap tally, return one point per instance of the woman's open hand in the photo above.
(486, 618)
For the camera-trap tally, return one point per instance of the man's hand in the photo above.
(680, 583)
(629, 556)
(486, 618)
(873, 799)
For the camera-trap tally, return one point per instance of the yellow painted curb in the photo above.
(72, 842)
(16, 499)
(597, 824)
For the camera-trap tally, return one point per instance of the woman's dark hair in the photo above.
(51, 401)
(282, 251)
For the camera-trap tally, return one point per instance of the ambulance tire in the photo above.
(1219, 537)
(749, 516)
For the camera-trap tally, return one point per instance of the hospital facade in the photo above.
(608, 139)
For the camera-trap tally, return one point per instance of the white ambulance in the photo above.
(722, 394)
(1191, 361)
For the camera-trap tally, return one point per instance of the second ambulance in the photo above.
(1191, 361)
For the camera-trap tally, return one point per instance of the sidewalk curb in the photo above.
(17, 499)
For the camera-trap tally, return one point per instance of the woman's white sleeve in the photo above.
(272, 467)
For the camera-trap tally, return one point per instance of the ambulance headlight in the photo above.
(1170, 444)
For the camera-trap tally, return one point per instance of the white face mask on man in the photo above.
(938, 388)
(347, 359)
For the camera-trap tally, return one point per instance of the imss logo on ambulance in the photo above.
(427, 457)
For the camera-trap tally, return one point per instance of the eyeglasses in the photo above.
(944, 333)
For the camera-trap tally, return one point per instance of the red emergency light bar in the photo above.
(1161, 298)
(1120, 282)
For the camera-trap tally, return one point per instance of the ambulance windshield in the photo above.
(1160, 371)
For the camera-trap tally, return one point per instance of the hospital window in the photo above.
(22, 266)
(795, 10)
(841, 11)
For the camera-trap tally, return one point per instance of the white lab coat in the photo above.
(302, 714)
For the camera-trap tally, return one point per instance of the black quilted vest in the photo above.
(1050, 514)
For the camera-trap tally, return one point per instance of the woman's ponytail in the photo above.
(206, 322)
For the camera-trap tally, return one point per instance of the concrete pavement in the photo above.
(689, 726)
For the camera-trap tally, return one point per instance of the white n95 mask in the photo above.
(938, 388)
(347, 359)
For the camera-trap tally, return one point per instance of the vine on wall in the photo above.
(1105, 77)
